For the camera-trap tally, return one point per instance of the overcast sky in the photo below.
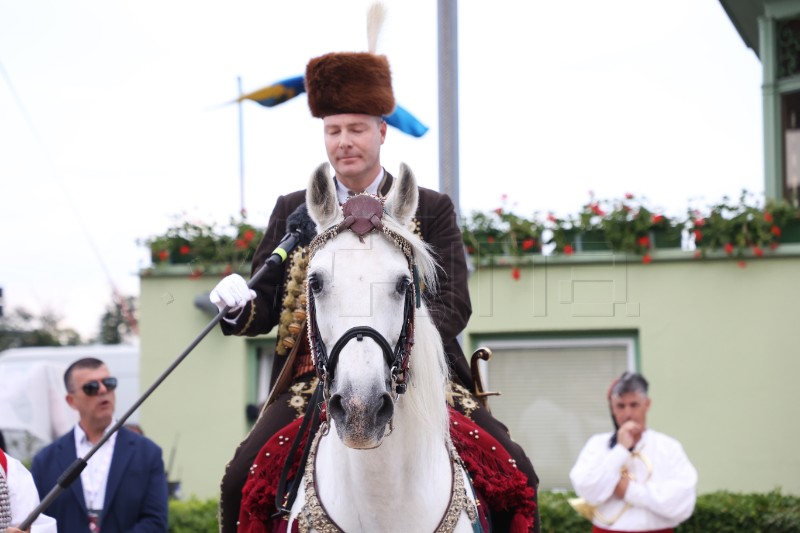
(112, 118)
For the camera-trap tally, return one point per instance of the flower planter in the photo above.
(661, 239)
(591, 241)
(790, 232)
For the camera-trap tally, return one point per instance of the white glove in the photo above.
(233, 292)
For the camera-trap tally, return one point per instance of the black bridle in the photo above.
(396, 359)
(363, 214)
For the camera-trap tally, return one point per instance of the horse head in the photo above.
(364, 278)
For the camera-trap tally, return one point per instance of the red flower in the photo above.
(657, 218)
(596, 209)
(628, 196)
(515, 273)
(741, 264)
(551, 217)
(163, 255)
(527, 244)
(646, 259)
(758, 251)
(728, 248)
(773, 245)
(196, 273)
(568, 249)
(768, 217)
(698, 235)
(470, 250)
(499, 210)
(184, 250)
(228, 270)
(249, 234)
(775, 231)
(490, 239)
(241, 244)
(699, 222)
(643, 241)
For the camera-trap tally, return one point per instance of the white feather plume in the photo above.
(375, 18)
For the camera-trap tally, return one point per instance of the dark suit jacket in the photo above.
(136, 492)
(450, 307)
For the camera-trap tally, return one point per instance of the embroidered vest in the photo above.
(5, 501)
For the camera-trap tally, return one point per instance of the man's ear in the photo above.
(71, 400)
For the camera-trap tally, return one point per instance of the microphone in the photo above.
(300, 230)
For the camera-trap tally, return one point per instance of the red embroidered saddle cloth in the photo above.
(497, 482)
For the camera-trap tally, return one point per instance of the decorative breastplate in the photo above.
(314, 517)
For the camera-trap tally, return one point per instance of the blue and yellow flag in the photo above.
(278, 93)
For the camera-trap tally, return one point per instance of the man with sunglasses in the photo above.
(124, 486)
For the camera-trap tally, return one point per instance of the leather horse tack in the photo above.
(362, 214)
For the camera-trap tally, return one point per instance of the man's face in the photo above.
(97, 410)
(353, 143)
(630, 406)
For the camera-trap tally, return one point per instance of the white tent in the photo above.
(33, 409)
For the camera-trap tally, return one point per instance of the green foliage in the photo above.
(118, 322)
(193, 516)
(557, 514)
(200, 245)
(735, 227)
(501, 232)
(21, 328)
(727, 512)
(718, 512)
(630, 225)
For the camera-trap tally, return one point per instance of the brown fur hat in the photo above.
(349, 82)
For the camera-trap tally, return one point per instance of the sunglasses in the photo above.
(93, 387)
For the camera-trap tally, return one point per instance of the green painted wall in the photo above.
(201, 405)
(718, 343)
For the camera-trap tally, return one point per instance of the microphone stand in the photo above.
(289, 242)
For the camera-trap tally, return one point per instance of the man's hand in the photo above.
(233, 292)
(15, 530)
(622, 485)
(628, 433)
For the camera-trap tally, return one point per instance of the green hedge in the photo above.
(193, 516)
(718, 512)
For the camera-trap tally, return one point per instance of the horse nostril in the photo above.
(335, 405)
(386, 409)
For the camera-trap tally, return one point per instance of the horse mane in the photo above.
(429, 378)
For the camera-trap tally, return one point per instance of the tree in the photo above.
(21, 328)
(118, 323)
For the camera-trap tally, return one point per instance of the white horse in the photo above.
(389, 464)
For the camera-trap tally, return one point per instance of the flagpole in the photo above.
(241, 149)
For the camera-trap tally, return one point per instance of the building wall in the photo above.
(200, 408)
(717, 342)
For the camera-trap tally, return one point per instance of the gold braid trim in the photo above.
(293, 308)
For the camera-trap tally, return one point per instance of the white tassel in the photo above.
(375, 18)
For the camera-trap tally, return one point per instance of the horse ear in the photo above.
(401, 203)
(323, 205)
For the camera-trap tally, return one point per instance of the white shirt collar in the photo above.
(342, 192)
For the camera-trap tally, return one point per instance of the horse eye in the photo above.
(314, 283)
(403, 284)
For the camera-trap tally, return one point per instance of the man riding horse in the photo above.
(350, 92)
